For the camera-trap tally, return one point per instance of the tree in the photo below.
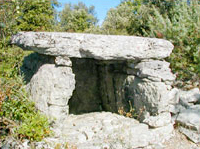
(77, 18)
(20, 15)
(175, 20)
(182, 28)
(118, 19)
(25, 15)
(37, 15)
(7, 19)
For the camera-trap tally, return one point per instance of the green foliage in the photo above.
(176, 21)
(95, 30)
(7, 22)
(16, 106)
(183, 30)
(11, 60)
(35, 127)
(118, 19)
(26, 15)
(19, 15)
(131, 113)
(37, 15)
(77, 18)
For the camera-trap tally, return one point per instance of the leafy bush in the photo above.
(35, 127)
(36, 15)
(182, 27)
(118, 19)
(176, 21)
(77, 18)
(14, 104)
(14, 99)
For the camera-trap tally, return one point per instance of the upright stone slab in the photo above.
(110, 72)
(51, 88)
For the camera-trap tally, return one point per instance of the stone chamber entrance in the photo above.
(80, 81)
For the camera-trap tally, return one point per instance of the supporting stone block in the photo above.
(51, 88)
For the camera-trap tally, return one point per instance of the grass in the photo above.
(15, 106)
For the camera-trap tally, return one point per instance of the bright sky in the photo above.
(101, 6)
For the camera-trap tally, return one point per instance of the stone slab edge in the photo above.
(101, 47)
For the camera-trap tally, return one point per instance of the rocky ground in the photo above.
(105, 130)
(180, 141)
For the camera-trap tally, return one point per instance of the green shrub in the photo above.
(176, 21)
(77, 18)
(14, 103)
(117, 20)
(182, 27)
(34, 127)
(17, 15)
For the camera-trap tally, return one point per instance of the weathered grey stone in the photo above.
(107, 86)
(102, 47)
(160, 120)
(152, 97)
(191, 134)
(190, 118)
(174, 96)
(161, 134)
(189, 97)
(110, 72)
(131, 135)
(97, 130)
(154, 70)
(32, 63)
(51, 88)
(63, 61)
(176, 109)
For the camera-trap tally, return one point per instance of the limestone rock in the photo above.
(151, 96)
(190, 118)
(63, 61)
(102, 47)
(47, 86)
(174, 96)
(189, 97)
(160, 120)
(84, 73)
(176, 109)
(154, 70)
(191, 134)
(161, 134)
(32, 63)
(98, 130)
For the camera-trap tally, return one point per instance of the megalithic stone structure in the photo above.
(80, 73)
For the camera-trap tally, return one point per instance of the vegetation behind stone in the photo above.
(176, 21)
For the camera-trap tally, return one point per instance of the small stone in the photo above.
(177, 108)
(191, 134)
(189, 97)
(190, 118)
(154, 70)
(63, 61)
(160, 120)
(162, 134)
